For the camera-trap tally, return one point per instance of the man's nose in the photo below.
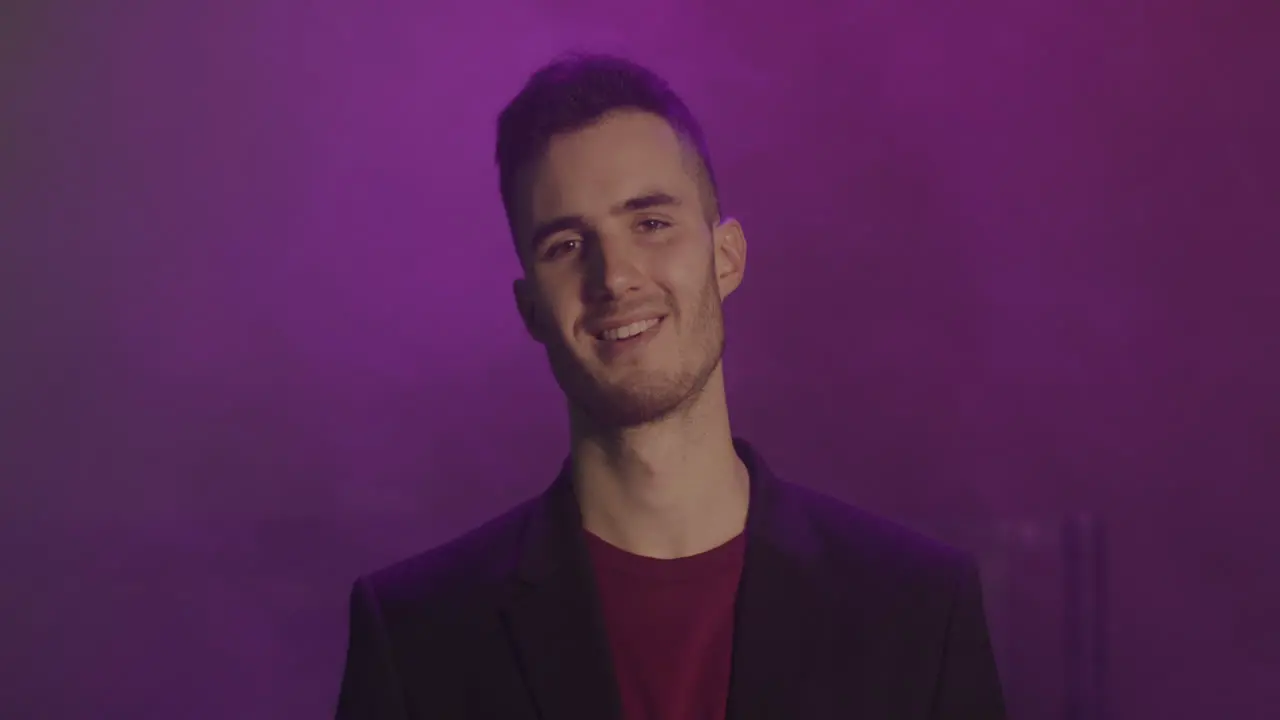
(612, 268)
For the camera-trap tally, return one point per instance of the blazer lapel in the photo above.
(789, 618)
(554, 617)
(792, 626)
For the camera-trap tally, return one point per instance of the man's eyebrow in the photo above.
(646, 201)
(577, 222)
(553, 226)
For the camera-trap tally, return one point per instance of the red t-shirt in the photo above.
(670, 627)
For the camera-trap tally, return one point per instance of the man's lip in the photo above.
(605, 326)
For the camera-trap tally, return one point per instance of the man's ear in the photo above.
(527, 306)
(730, 255)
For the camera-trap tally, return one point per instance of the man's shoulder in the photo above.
(854, 538)
(457, 572)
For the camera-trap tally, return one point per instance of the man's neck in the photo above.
(670, 489)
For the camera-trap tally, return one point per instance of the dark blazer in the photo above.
(839, 615)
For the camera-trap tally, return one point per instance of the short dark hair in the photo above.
(573, 92)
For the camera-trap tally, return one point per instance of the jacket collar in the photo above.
(782, 612)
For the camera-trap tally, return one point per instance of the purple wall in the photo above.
(1007, 261)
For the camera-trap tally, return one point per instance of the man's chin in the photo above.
(613, 397)
(624, 408)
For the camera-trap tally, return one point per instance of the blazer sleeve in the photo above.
(969, 685)
(371, 688)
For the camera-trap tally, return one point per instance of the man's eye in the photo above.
(562, 247)
(652, 224)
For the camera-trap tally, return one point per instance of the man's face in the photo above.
(624, 273)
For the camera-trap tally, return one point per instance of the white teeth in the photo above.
(631, 330)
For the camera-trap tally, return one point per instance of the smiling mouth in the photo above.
(627, 332)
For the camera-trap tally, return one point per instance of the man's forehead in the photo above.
(608, 196)
(589, 179)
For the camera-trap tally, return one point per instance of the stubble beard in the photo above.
(643, 397)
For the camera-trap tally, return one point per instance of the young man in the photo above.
(666, 574)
